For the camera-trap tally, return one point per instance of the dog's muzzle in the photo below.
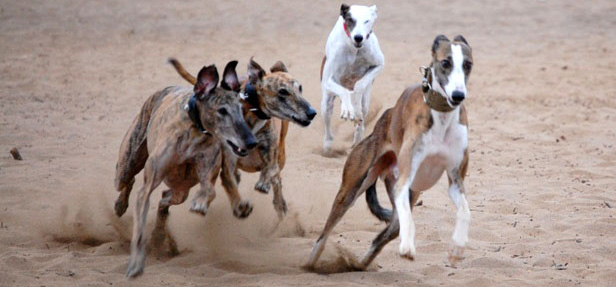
(457, 97)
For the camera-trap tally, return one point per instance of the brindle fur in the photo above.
(269, 157)
(164, 142)
(387, 153)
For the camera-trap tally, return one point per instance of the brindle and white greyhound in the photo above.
(178, 137)
(352, 60)
(279, 95)
(413, 143)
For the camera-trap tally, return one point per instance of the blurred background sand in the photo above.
(73, 74)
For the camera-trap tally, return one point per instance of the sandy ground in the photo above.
(542, 114)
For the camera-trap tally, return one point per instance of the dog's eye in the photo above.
(445, 64)
(467, 65)
(366, 21)
(300, 88)
(222, 111)
(283, 92)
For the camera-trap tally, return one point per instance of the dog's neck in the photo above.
(193, 113)
(251, 97)
(434, 99)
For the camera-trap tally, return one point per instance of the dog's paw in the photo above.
(120, 207)
(199, 207)
(347, 112)
(455, 255)
(263, 186)
(134, 270)
(407, 252)
(281, 208)
(243, 209)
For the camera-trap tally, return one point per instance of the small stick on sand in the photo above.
(15, 153)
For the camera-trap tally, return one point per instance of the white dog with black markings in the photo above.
(352, 60)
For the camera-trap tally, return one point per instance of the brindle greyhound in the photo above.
(411, 146)
(178, 137)
(277, 95)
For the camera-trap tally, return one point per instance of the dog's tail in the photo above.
(383, 214)
(180, 69)
(382, 163)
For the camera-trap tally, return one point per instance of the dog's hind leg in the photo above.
(393, 228)
(153, 175)
(344, 200)
(327, 109)
(121, 203)
(388, 234)
(351, 188)
(160, 232)
(133, 155)
(134, 151)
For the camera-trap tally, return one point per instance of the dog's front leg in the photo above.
(346, 108)
(270, 173)
(207, 165)
(463, 214)
(410, 159)
(241, 208)
(267, 149)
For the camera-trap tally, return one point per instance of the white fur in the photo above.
(456, 77)
(439, 149)
(341, 53)
(463, 216)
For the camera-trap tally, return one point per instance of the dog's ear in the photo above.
(255, 72)
(374, 10)
(207, 80)
(460, 38)
(437, 41)
(279, 67)
(344, 8)
(229, 78)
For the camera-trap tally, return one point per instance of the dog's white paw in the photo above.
(407, 251)
(199, 207)
(347, 112)
(263, 186)
(455, 255)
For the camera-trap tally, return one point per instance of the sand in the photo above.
(542, 138)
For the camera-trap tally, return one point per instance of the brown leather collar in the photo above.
(433, 99)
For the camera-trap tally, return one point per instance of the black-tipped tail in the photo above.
(383, 214)
(183, 73)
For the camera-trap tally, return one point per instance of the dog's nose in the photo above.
(457, 97)
(311, 113)
(251, 144)
(358, 38)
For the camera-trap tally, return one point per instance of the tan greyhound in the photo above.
(178, 137)
(413, 143)
(277, 95)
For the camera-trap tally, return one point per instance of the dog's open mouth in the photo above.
(303, 123)
(238, 151)
(453, 104)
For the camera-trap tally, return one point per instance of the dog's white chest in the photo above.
(441, 148)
